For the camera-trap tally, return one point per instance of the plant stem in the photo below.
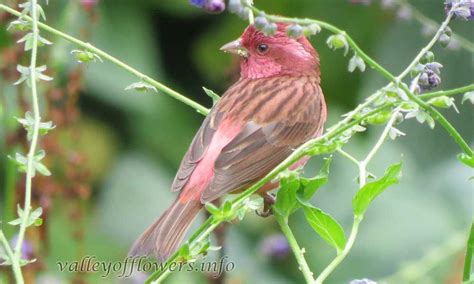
(297, 251)
(469, 253)
(394, 80)
(420, 17)
(301, 151)
(451, 92)
(348, 156)
(13, 258)
(34, 141)
(382, 138)
(340, 257)
(201, 109)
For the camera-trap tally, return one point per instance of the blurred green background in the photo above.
(133, 142)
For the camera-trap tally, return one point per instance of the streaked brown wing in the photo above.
(197, 149)
(265, 141)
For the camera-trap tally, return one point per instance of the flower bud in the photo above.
(379, 118)
(336, 41)
(270, 29)
(442, 102)
(215, 6)
(294, 31)
(260, 22)
(427, 57)
(311, 29)
(444, 40)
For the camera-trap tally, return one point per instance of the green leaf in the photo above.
(372, 189)
(326, 226)
(286, 202)
(215, 97)
(42, 169)
(309, 186)
(467, 160)
(211, 208)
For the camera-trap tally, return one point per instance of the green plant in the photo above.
(389, 105)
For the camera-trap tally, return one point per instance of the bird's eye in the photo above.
(262, 48)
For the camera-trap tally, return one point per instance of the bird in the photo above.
(275, 106)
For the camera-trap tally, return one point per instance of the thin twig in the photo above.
(201, 109)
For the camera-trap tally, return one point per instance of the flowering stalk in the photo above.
(310, 148)
(424, 20)
(358, 218)
(395, 81)
(89, 47)
(298, 252)
(469, 253)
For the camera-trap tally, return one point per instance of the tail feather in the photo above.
(163, 237)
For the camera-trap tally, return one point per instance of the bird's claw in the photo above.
(268, 201)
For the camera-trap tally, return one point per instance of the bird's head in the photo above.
(267, 56)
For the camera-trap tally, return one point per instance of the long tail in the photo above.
(163, 237)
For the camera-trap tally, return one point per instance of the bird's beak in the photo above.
(235, 47)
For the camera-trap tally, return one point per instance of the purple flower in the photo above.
(275, 246)
(26, 249)
(464, 10)
(198, 3)
(211, 6)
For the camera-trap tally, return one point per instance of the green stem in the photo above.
(420, 17)
(348, 156)
(201, 109)
(30, 167)
(394, 80)
(13, 258)
(469, 253)
(340, 257)
(295, 156)
(451, 92)
(297, 251)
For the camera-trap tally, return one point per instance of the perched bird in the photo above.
(275, 106)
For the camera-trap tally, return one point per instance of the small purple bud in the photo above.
(260, 22)
(198, 3)
(435, 66)
(275, 246)
(434, 81)
(423, 80)
(211, 6)
(215, 6)
(294, 31)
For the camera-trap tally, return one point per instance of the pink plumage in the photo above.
(276, 106)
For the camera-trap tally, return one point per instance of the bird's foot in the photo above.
(268, 201)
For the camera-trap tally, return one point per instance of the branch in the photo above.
(394, 80)
(201, 109)
(298, 252)
(469, 252)
(421, 18)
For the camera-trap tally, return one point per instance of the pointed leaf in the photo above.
(326, 226)
(371, 190)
